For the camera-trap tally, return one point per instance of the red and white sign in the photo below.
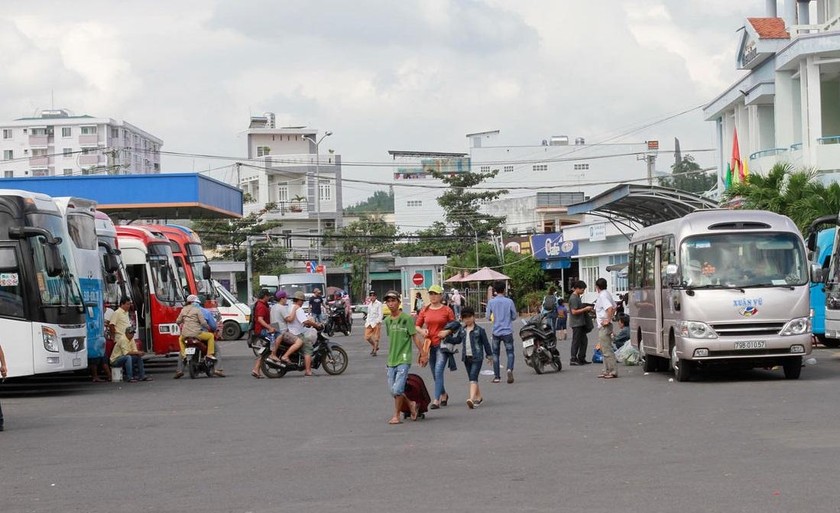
(417, 279)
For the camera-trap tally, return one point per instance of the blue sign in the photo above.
(563, 263)
(551, 246)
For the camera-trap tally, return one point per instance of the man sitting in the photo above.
(193, 324)
(297, 322)
(126, 355)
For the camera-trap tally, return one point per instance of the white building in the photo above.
(55, 142)
(786, 108)
(296, 181)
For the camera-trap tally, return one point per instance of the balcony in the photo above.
(762, 161)
(828, 153)
(39, 161)
(88, 139)
(37, 141)
(89, 160)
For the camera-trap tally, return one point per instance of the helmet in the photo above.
(299, 295)
(280, 294)
(192, 298)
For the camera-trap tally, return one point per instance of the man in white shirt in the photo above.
(277, 318)
(373, 323)
(298, 321)
(604, 311)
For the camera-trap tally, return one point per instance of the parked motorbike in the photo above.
(539, 343)
(195, 358)
(337, 321)
(324, 352)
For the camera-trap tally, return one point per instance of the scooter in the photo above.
(324, 352)
(337, 321)
(195, 358)
(539, 343)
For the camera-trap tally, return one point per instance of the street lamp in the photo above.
(318, 184)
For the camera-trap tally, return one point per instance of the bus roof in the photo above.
(718, 220)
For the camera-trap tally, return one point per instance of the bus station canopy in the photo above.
(642, 205)
(153, 196)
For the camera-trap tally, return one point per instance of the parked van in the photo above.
(235, 315)
(307, 282)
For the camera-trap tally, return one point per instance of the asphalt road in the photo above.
(728, 442)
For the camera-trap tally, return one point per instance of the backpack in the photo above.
(549, 303)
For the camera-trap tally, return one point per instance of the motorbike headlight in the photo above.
(696, 329)
(50, 339)
(798, 326)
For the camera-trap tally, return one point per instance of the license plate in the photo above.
(751, 344)
(77, 362)
(527, 343)
(189, 351)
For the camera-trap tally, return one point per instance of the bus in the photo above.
(193, 269)
(822, 257)
(42, 316)
(116, 283)
(154, 284)
(721, 287)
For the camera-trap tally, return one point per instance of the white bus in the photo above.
(42, 317)
(721, 286)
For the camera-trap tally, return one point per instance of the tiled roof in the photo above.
(769, 28)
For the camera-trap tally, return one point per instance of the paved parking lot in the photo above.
(745, 441)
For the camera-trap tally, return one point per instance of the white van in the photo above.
(236, 316)
(307, 282)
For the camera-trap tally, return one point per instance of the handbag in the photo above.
(590, 323)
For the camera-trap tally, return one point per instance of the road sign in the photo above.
(321, 269)
(417, 279)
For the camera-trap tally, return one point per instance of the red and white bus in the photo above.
(155, 291)
(193, 269)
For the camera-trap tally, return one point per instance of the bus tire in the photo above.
(792, 367)
(682, 368)
(231, 330)
(829, 342)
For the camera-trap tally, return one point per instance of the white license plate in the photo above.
(527, 343)
(77, 362)
(751, 344)
(189, 351)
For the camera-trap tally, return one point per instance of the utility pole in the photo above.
(248, 264)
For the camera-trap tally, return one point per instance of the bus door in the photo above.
(21, 337)
(659, 298)
(137, 277)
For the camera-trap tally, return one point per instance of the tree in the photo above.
(433, 241)
(228, 236)
(686, 175)
(356, 242)
(381, 202)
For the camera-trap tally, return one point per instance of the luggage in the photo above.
(415, 390)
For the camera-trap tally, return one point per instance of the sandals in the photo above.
(470, 404)
(444, 402)
(607, 376)
(415, 410)
(394, 422)
(256, 375)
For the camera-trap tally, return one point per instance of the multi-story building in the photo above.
(55, 142)
(786, 107)
(295, 183)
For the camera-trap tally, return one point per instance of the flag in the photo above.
(734, 168)
(745, 172)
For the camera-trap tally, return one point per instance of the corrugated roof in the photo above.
(769, 28)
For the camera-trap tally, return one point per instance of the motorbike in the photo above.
(324, 352)
(195, 359)
(539, 343)
(337, 321)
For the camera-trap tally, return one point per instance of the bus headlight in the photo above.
(798, 326)
(697, 329)
(50, 339)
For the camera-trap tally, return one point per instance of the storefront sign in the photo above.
(597, 232)
(551, 246)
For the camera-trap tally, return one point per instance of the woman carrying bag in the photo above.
(434, 317)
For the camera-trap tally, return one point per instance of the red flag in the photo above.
(737, 168)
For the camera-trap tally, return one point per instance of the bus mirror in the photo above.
(110, 278)
(205, 272)
(111, 263)
(52, 260)
(816, 273)
(672, 270)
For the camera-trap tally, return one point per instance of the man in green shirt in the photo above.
(401, 333)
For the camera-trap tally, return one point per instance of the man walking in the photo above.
(604, 311)
(578, 323)
(401, 334)
(373, 323)
(316, 306)
(503, 312)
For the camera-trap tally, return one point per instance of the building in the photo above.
(786, 107)
(55, 143)
(295, 183)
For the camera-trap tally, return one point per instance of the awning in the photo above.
(485, 274)
(642, 205)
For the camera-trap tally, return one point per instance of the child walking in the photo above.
(476, 347)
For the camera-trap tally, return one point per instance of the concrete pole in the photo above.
(248, 273)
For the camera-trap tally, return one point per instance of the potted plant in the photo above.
(295, 206)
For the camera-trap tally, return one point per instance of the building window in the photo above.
(88, 130)
(589, 271)
(508, 169)
(8, 154)
(485, 169)
(67, 152)
(39, 131)
(581, 167)
(262, 151)
(8, 174)
(283, 193)
(68, 171)
(619, 278)
(414, 203)
(39, 152)
(40, 172)
(86, 171)
(540, 167)
(7, 133)
(325, 191)
(66, 131)
(115, 133)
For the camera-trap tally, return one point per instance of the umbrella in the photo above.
(457, 278)
(485, 274)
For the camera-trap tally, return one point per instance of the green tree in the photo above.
(227, 238)
(381, 202)
(686, 175)
(356, 242)
(433, 241)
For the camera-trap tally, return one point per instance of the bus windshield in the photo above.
(730, 260)
(197, 261)
(55, 291)
(161, 264)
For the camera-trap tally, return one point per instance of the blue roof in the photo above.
(157, 196)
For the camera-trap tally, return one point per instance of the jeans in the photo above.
(497, 352)
(473, 366)
(579, 343)
(130, 362)
(437, 361)
(457, 310)
(396, 379)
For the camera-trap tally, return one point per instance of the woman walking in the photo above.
(476, 347)
(434, 316)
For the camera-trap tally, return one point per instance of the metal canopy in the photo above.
(642, 205)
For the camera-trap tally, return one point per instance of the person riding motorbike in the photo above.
(194, 324)
(298, 321)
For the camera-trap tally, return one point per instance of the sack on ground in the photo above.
(628, 354)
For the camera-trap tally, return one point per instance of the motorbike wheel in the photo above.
(329, 328)
(335, 361)
(556, 363)
(536, 363)
(271, 371)
(208, 369)
(192, 367)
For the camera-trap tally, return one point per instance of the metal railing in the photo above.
(772, 152)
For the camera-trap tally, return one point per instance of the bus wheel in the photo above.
(792, 367)
(231, 331)
(682, 368)
(829, 342)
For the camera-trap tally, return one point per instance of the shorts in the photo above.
(373, 332)
(396, 379)
(473, 366)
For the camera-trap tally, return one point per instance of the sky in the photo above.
(380, 74)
